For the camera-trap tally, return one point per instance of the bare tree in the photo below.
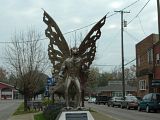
(92, 81)
(129, 73)
(3, 74)
(26, 58)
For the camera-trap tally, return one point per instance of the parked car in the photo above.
(129, 102)
(150, 102)
(139, 99)
(102, 99)
(92, 100)
(86, 98)
(115, 101)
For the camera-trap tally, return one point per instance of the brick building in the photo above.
(148, 65)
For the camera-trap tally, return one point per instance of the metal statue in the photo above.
(70, 66)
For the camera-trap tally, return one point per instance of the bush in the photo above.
(51, 111)
(46, 102)
(39, 117)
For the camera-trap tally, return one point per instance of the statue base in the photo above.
(74, 114)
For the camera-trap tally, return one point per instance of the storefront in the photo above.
(7, 91)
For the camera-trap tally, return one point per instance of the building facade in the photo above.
(8, 92)
(115, 88)
(148, 65)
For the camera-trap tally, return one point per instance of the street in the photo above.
(7, 108)
(123, 114)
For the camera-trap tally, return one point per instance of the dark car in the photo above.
(150, 102)
(130, 102)
(139, 99)
(115, 101)
(102, 99)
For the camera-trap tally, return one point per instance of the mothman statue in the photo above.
(70, 66)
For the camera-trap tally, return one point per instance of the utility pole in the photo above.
(122, 50)
(158, 11)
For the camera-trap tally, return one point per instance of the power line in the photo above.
(103, 65)
(144, 53)
(112, 40)
(122, 51)
(141, 25)
(49, 62)
(141, 28)
(96, 22)
(80, 27)
(130, 62)
(131, 36)
(123, 8)
(131, 4)
(25, 41)
(139, 12)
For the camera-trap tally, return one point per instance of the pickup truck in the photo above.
(102, 99)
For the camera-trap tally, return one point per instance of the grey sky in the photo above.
(18, 15)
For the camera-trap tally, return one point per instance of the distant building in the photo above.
(148, 65)
(114, 88)
(8, 92)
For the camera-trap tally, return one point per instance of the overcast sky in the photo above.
(19, 15)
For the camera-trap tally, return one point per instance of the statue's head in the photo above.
(74, 51)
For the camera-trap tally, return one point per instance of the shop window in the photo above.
(150, 55)
(139, 61)
(158, 58)
(142, 85)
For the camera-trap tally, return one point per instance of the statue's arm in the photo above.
(84, 69)
(62, 70)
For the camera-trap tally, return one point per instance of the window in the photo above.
(139, 61)
(145, 97)
(149, 96)
(142, 85)
(158, 58)
(154, 97)
(117, 94)
(150, 56)
(158, 97)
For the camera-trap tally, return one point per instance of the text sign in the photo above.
(50, 81)
(76, 116)
(155, 83)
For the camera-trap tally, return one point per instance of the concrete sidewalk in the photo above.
(29, 116)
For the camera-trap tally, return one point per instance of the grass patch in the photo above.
(20, 110)
(91, 110)
(39, 117)
(99, 116)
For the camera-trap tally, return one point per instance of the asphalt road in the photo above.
(123, 114)
(7, 108)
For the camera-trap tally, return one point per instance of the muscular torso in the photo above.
(73, 66)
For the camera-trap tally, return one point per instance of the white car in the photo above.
(92, 100)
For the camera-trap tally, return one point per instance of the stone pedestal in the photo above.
(75, 115)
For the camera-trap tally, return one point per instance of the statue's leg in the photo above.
(67, 84)
(78, 87)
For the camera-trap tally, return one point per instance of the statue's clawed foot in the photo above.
(68, 108)
(79, 108)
